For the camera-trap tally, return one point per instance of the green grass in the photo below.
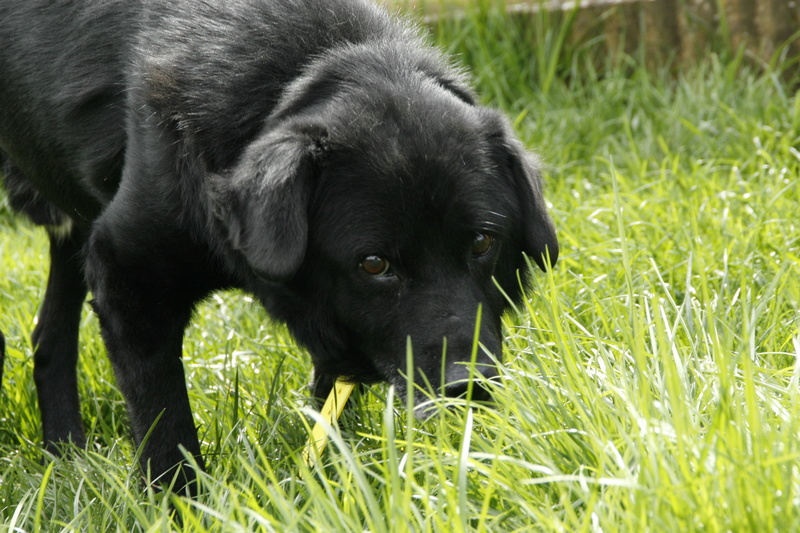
(651, 381)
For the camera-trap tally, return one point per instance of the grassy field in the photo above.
(651, 382)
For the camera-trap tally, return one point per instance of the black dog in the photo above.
(313, 152)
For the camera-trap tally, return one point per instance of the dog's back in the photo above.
(68, 69)
(62, 94)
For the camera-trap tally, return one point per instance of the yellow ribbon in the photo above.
(330, 412)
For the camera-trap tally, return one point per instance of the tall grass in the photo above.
(650, 382)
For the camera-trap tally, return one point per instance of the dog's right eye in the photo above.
(375, 265)
(482, 244)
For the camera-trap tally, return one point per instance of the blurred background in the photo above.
(664, 30)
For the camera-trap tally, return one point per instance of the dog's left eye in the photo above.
(481, 244)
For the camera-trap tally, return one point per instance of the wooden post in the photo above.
(777, 21)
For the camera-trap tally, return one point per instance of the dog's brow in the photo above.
(492, 222)
(493, 219)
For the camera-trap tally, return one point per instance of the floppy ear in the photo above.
(537, 231)
(264, 202)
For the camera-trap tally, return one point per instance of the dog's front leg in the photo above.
(55, 340)
(144, 296)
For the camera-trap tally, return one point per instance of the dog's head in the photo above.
(387, 214)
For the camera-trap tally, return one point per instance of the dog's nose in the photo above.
(459, 382)
(461, 388)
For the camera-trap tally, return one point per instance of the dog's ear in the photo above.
(537, 233)
(264, 202)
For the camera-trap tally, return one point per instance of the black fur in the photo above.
(178, 147)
